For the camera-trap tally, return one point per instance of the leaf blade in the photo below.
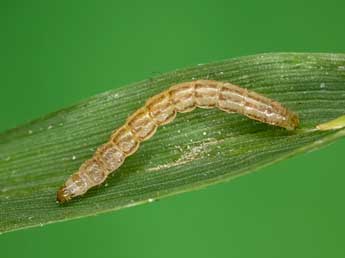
(196, 150)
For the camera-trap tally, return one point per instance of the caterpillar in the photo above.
(161, 109)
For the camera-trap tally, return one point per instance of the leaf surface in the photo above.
(198, 149)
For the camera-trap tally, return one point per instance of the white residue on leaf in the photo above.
(111, 97)
(243, 77)
(191, 154)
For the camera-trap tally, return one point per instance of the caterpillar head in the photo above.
(63, 195)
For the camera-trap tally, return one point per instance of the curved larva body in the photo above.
(161, 109)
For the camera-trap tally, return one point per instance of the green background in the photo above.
(55, 53)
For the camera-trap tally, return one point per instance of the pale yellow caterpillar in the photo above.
(161, 109)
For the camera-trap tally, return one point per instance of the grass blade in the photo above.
(198, 149)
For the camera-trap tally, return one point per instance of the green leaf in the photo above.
(198, 149)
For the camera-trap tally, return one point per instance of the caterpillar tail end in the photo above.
(62, 195)
(292, 121)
